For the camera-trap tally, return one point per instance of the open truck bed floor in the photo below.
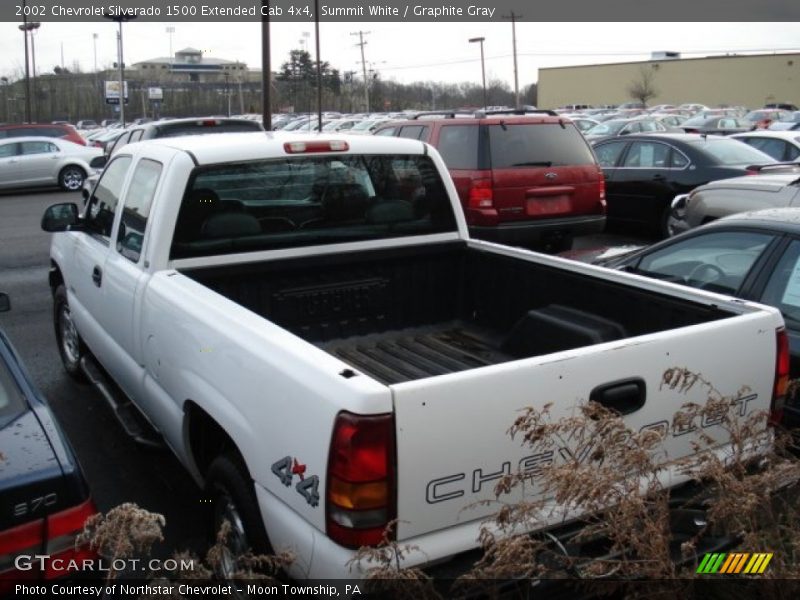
(418, 352)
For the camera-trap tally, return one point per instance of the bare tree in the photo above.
(642, 88)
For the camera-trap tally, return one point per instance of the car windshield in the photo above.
(696, 121)
(310, 200)
(607, 128)
(718, 260)
(363, 126)
(731, 152)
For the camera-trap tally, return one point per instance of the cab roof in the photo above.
(231, 147)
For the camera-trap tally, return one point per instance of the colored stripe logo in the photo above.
(734, 563)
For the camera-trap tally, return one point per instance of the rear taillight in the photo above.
(781, 378)
(53, 536)
(361, 479)
(481, 194)
(62, 530)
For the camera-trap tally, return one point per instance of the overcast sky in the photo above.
(403, 52)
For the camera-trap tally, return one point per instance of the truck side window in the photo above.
(103, 204)
(136, 208)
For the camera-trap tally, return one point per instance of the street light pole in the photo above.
(24, 28)
(483, 66)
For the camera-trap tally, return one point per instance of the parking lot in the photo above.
(118, 470)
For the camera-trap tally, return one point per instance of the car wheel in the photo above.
(71, 178)
(70, 345)
(233, 500)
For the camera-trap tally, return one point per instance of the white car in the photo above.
(783, 146)
(43, 161)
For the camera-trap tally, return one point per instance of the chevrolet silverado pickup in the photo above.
(307, 324)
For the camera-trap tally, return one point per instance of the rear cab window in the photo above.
(310, 200)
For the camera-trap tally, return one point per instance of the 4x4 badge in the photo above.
(551, 175)
(308, 487)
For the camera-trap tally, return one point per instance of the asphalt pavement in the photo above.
(118, 470)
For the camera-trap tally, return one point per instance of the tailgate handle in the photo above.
(624, 396)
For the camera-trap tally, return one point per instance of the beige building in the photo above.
(189, 64)
(736, 80)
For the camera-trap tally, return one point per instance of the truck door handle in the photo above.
(624, 396)
(97, 276)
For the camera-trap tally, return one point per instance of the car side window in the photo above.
(648, 155)
(8, 150)
(458, 145)
(102, 206)
(678, 160)
(136, 208)
(389, 131)
(413, 132)
(136, 136)
(608, 154)
(37, 148)
(783, 288)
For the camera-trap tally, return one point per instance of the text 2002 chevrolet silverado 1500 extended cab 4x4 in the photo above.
(308, 326)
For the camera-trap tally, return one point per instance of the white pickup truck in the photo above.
(306, 323)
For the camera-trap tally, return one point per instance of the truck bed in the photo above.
(411, 313)
(419, 352)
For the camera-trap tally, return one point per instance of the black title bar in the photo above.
(400, 11)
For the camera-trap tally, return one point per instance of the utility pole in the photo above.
(266, 69)
(362, 43)
(94, 37)
(319, 67)
(514, 18)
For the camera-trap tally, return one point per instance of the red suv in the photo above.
(64, 131)
(524, 178)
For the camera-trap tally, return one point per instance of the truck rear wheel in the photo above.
(70, 345)
(234, 500)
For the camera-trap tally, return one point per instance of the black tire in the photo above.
(71, 178)
(233, 498)
(70, 345)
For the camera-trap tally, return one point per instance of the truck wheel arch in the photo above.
(206, 438)
(55, 278)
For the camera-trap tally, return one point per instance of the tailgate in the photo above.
(530, 193)
(452, 440)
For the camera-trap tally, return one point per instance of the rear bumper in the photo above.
(542, 230)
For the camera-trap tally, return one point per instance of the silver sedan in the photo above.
(42, 161)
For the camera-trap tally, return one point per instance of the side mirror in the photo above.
(5, 302)
(98, 162)
(60, 217)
